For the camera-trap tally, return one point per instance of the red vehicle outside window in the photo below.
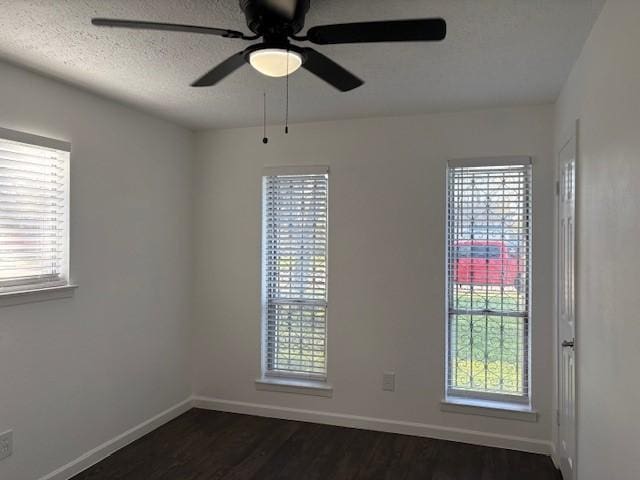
(486, 262)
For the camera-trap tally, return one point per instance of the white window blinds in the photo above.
(488, 271)
(295, 273)
(33, 214)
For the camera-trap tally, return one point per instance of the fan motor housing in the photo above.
(263, 20)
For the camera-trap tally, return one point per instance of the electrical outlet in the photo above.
(6, 444)
(389, 381)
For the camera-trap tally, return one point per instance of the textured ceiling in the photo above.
(497, 53)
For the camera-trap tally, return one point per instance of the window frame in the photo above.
(63, 287)
(311, 381)
(476, 397)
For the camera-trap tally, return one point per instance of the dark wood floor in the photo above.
(207, 445)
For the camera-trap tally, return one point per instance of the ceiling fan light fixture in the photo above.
(273, 62)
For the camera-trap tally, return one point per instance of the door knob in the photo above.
(568, 343)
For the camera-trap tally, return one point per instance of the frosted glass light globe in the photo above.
(273, 61)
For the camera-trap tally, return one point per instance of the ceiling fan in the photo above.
(279, 21)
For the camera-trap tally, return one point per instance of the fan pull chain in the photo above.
(286, 118)
(265, 139)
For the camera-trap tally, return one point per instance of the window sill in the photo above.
(288, 385)
(489, 408)
(37, 295)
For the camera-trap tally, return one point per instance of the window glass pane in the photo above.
(33, 206)
(295, 274)
(489, 217)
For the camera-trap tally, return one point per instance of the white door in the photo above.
(566, 310)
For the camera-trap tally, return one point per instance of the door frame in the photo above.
(571, 136)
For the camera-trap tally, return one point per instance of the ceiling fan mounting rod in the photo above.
(270, 17)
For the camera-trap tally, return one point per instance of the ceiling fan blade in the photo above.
(220, 71)
(169, 27)
(425, 30)
(330, 71)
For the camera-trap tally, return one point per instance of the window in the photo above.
(34, 198)
(488, 267)
(295, 272)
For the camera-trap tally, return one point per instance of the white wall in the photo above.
(77, 372)
(386, 259)
(603, 91)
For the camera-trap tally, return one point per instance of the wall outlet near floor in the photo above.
(389, 381)
(6, 444)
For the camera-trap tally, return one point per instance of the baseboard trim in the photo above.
(110, 446)
(378, 424)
